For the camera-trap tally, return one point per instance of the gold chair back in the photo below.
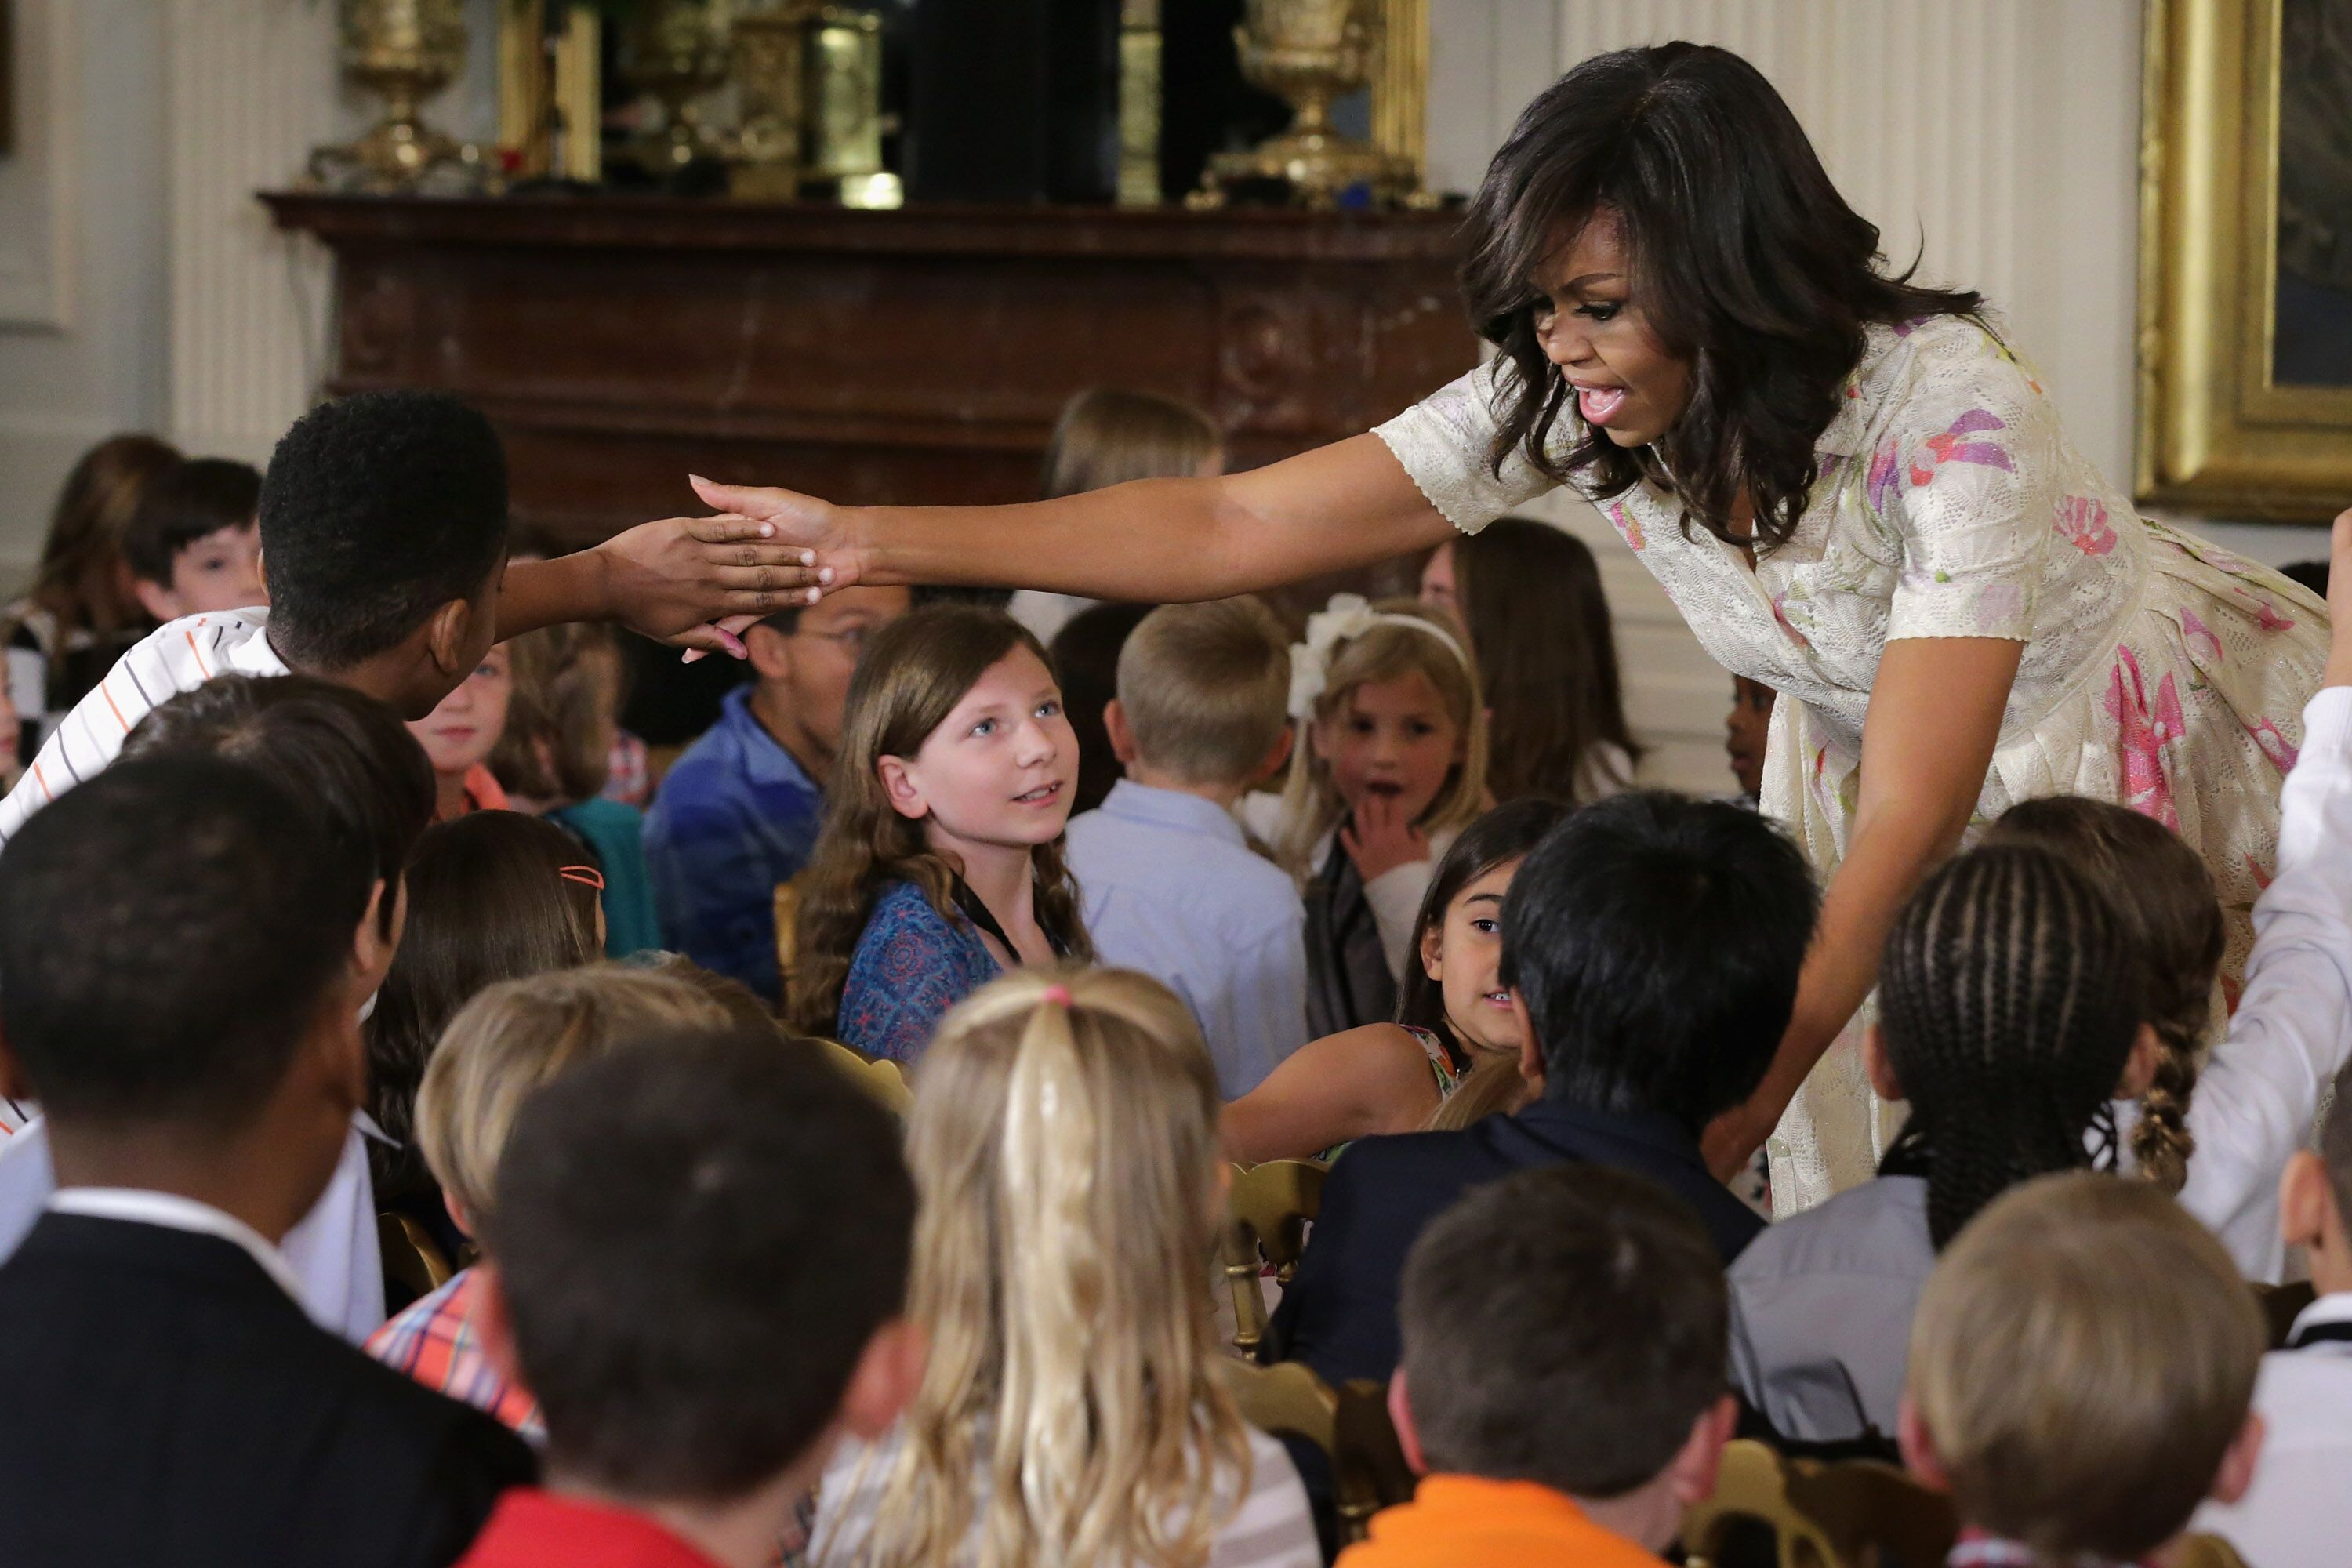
(1270, 1207)
(1858, 1513)
(1349, 1423)
(877, 1076)
(788, 911)
(2206, 1552)
(410, 1260)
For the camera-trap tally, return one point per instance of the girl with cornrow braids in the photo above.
(2010, 1004)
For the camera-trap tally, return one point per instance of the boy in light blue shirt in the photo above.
(1170, 884)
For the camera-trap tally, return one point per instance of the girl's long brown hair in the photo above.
(913, 673)
(1539, 628)
(81, 562)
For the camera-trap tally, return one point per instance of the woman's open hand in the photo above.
(818, 526)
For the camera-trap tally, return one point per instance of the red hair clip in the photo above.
(1059, 995)
(586, 876)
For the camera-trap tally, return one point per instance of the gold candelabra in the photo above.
(405, 51)
(678, 51)
(1310, 52)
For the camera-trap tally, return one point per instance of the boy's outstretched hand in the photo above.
(694, 583)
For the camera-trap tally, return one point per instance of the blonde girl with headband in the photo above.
(939, 865)
(1391, 766)
(1063, 1142)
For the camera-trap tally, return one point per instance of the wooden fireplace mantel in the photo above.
(918, 356)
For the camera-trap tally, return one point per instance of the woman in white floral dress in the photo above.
(1851, 486)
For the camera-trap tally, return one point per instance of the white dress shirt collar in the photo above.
(2328, 1310)
(140, 1206)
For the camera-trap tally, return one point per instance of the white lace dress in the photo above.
(2158, 670)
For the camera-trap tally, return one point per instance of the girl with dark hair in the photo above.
(2011, 995)
(1457, 1033)
(1529, 596)
(1853, 488)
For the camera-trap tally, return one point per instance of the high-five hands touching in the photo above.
(699, 584)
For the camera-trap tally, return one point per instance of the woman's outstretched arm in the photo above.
(1345, 505)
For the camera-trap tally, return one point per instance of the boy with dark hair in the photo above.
(180, 983)
(1562, 1387)
(738, 813)
(1653, 944)
(700, 1253)
(194, 544)
(383, 530)
(351, 761)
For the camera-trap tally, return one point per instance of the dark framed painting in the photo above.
(2245, 307)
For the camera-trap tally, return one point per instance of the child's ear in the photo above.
(898, 786)
(2139, 1068)
(1919, 1449)
(1531, 1061)
(456, 1212)
(373, 946)
(883, 1383)
(1277, 756)
(2306, 1201)
(2236, 1475)
(1877, 1067)
(1692, 1471)
(768, 651)
(157, 600)
(448, 637)
(1432, 951)
(1122, 735)
(1401, 1417)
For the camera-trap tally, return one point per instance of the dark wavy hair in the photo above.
(1746, 264)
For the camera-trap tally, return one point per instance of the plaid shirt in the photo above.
(435, 1342)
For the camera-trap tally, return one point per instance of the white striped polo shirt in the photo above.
(180, 657)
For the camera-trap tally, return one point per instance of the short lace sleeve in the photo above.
(1968, 477)
(1443, 442)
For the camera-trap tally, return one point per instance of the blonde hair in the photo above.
(517, 1036)
(1311, 804)
(1493, 1084)
(910, 678)
(1107, 436)
(1204, 688)
(2082, 1359)
(558, 742)
(1064, 1140)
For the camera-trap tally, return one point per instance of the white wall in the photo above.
(1999, 138)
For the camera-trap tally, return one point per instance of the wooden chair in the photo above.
(1858, 1513)
(1349, 1423)
(2281, 1305)
(2206, 1552)
(877, 1076)
(412, 1263)
(1270, 1207)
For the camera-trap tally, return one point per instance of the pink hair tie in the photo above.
(1059, 995)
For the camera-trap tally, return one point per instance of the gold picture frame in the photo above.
(2228, 421)
(1400, 91)
(574, 94)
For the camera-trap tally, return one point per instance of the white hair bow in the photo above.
(1346, 617)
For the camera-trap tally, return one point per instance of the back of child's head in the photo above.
(1564, 1326)
(169, 931)
(1505, 834)
(1085, 654)
(737, 1001)
(193, 498)
(78, 578)
(1351, 645)
(1107, 435)
(1064, 1138)
(492, 895)
(1530, 596)
(2163, 896)
(2081, 1361)
(518, 1035)
(2009, 995)
(2335, 1145)
(1204, 688)
(378, 509)
(343, 752)
(1657, 940)
(557, 745)
(697, 1235)
(912, 674)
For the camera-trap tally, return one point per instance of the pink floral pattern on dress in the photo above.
(1952, 446)
(2273, 744)
(2083, 523)
(1628, 529)
(2200, 637)
(2143, 731)
(1781, 615)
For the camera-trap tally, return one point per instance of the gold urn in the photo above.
(1310, 53)
(679, 51)
(404, 51)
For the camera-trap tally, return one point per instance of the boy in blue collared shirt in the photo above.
(1171, 886)
(738, 813)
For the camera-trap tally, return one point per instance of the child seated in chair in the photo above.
(1562, 1389)
(502, 1048)
(2081, 1370)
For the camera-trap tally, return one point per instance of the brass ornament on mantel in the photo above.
(678, 51)
(1311, 52)
(845, 122)
(405, 51)
(768, 150)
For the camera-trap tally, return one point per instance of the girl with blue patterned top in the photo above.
(939, 865)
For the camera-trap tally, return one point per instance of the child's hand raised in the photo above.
(1380, 837)
(2339, 602)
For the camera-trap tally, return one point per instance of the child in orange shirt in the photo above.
(1562, 1388)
